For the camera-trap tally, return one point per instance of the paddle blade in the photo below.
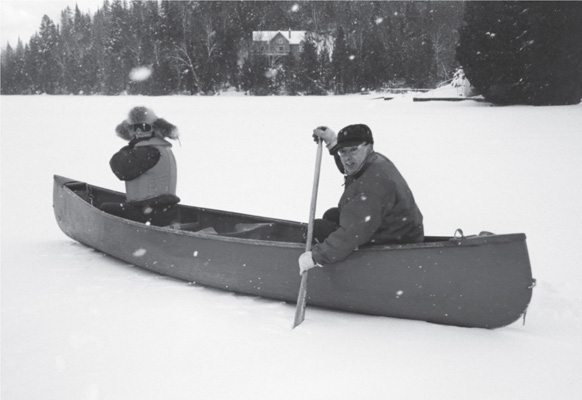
(301, 303)
(300, 308)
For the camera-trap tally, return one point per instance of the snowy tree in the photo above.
(309, 68)
(255, 78)
(46, 57)
(197, 47)
(290, 72)
(373, 60)
(8, 71)
(418, 52)
(522, 52)
(340, 62)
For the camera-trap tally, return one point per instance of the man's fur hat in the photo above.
(145, 115)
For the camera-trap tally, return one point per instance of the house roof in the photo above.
(294, 37)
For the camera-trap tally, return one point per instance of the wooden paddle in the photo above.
(300, 309)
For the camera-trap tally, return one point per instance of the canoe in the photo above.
(482, 281)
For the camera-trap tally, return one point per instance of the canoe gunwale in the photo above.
(436, 242)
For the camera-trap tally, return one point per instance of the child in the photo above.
(148, 167)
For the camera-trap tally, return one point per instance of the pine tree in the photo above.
(99, 34)
(418, 52)
(254, 76)
(523, 53)
(85, 58)
(308, 69)
(290, 72)
(69, 54)
(8, 71)
(339, 62)
(117, 49)
(46, 57)
(373, 64)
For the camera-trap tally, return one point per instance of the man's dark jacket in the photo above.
(377, 207)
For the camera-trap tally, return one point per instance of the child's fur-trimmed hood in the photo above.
(145, 115)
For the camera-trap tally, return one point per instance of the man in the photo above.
(377, 206)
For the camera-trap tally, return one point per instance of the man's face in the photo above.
(353, 157)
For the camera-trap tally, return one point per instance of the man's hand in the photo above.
(327, 135)
(306, 262)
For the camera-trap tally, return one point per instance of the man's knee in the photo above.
(333, 215)
(322, 228)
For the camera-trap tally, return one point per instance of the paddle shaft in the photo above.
(301, 304)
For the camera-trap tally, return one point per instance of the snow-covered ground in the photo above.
(78, 325)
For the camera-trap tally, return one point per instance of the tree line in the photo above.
(195, 47)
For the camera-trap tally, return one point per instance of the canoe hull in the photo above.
(478, 282)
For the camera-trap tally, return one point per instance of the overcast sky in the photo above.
(22, 18)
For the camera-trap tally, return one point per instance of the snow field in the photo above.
(79, 325)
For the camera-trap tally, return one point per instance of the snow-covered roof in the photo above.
(294, 37)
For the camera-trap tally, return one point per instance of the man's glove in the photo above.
(306, 262)
(327, 135)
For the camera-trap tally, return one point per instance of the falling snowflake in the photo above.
(140, 74)
(139, 252)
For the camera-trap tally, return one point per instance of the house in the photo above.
(278, 43)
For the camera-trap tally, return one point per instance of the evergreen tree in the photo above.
(418, 53)
(290, 72)
(373, 63)
(255, 78)
(85, 56)
(31, 65)
(99, 35)
(72, 47)
(339, 63)
(309, 69)
(21, 80)
(523, 52)
(142, 44)
(46, 57)
(7, 71)
(118, 49)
